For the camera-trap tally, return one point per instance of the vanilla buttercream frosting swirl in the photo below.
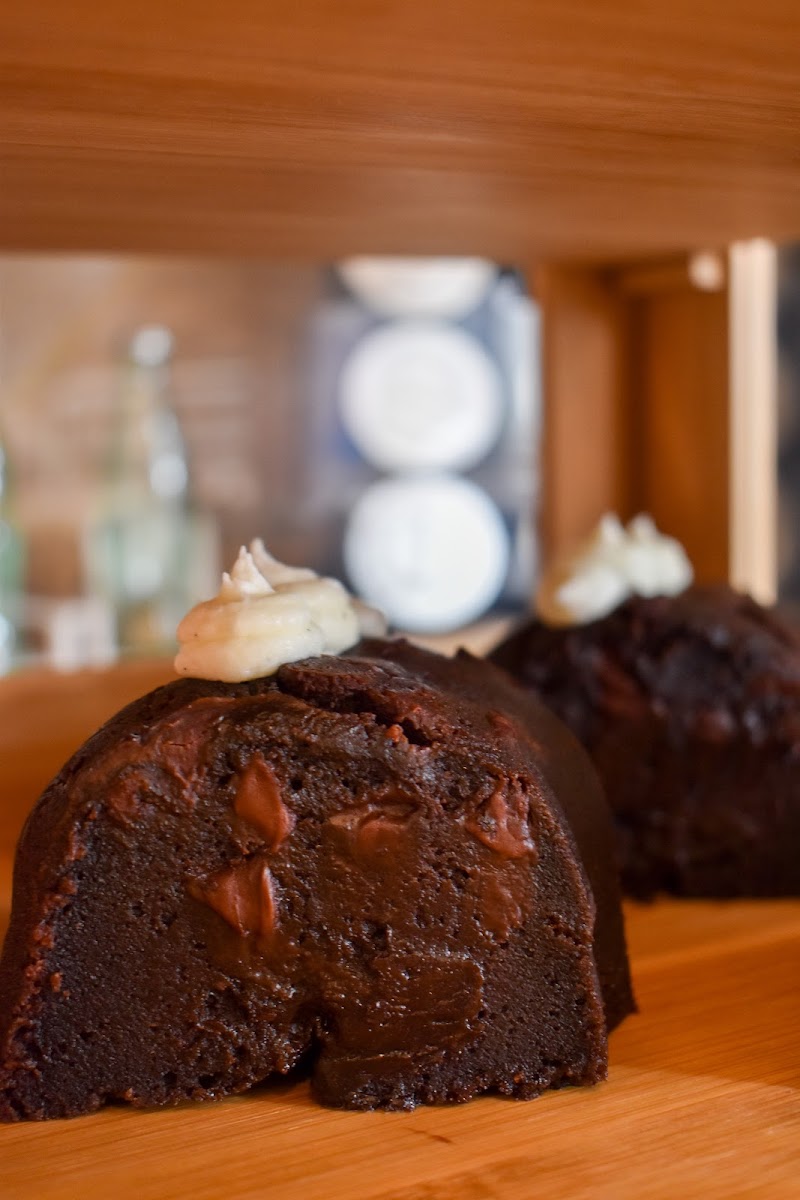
(616, 562)
(267, 614)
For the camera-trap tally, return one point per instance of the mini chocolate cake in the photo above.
(690, 708)
(390, 868)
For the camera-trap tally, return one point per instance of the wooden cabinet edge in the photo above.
(753, 352)
(660, 395)
(587, 357)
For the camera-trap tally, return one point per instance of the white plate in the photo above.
(406, 287)
(432, 551)
(421, 395)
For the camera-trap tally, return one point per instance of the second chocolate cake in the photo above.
(689, 705)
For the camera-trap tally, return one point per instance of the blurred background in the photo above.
(378, 420)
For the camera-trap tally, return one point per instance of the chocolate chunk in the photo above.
(243, 896)
(258, 800)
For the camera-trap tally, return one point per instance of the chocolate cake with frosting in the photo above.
(387, 868)
(689, 705)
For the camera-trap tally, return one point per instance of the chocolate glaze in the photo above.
(690, 709)
(390, 866)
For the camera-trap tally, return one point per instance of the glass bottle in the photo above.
(11, 567)
(138, 560)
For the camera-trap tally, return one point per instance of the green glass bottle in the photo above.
(138, 559)
(11, 567)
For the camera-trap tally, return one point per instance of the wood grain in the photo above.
(682, 421)
(703, 1097)
(587, 366)
(753, 492)
(637, 413)
(517, 129)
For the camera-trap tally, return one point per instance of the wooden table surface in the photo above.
(703, 1099)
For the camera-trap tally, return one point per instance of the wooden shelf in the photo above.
(558, 130)
(702, 1101)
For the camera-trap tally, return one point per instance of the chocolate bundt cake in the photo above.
(387, 867)
(689, 706)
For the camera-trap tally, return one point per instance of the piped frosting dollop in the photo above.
(616, 562)
(266, 614)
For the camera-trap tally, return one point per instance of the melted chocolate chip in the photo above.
(243, 896)
(414, 1003)
(504, 903)
(377, 828)
(502, 822)
(258, 801)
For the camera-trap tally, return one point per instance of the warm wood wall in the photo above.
(637, 416)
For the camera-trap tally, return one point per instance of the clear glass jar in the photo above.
(138, 557)
(11, 567)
